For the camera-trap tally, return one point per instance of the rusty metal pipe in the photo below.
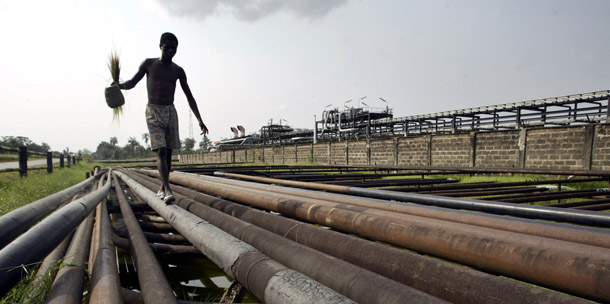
(69, 282)
(571, 233)
(156, 227)
(123, 243)
(596, 207)
(48, 269)
(570, 267)
(546, 196)
(154, 284)
(265, 278)
(105, 281)
(538, 212)
(354, 282)
(448, 281)
(484, 192)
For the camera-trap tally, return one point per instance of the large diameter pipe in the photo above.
(354, 282)
(570, 267)
(584, 235)
(19, 220)
(154, 284)
(105, 282)
(36, 243)
(584, 217)
(265, 278)
(441, 279)
(69, 282)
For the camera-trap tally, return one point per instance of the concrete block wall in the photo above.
(304, 153)
(497, 149)
(290, 154)
(414, 151)
(451, 150)
(600, 159)
(573, 147)
(320, 154)
(382, 152)
(278, 155)
(338, 155)
(357, 153)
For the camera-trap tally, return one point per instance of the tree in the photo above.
(106, 150)
(189, 144)
(205, 144)
(113, 141)
(145, 137)
(131, 147)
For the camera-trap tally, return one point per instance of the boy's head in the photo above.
(168, 45)
(166, 37)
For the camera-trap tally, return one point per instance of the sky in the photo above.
(250, 62)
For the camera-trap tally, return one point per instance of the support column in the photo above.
(522, 147)
(587, 157)
(473, 149)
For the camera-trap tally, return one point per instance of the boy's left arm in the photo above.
(191, 100)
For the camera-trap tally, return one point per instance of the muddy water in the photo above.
(193, 277)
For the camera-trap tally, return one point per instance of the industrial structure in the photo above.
(367, 122)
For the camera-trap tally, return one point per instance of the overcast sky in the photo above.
(251, 61)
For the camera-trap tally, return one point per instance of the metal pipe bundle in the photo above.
(266, 279)
(441, 279)
(538, 212)
(33, 245)
(574, 268)
(354, 282)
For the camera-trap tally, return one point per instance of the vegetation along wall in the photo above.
(575, 148)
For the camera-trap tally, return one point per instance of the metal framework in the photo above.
(578, 109)
(565, 110)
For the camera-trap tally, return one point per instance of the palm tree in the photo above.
(145, 138)
(132, 143)
(113, 141)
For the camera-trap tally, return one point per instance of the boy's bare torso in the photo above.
(161, 80)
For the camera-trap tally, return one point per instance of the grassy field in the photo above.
(16, 191)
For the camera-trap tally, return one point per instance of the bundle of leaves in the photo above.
(114, 65)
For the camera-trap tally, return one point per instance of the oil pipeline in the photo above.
(317, 234)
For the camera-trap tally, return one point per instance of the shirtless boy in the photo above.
(161, 118)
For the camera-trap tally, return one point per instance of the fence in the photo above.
(23, 160)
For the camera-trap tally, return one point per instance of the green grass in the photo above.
(32, 288)
(16, 191)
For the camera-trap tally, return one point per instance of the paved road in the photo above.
(31, 163)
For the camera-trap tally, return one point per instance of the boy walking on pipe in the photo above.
(161, 117)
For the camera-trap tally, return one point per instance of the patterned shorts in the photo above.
(162, 124)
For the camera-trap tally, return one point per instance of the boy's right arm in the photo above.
(136, 78)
